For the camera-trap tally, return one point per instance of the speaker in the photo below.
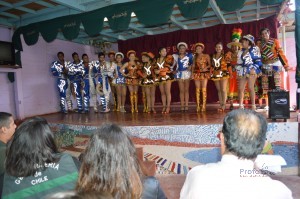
(279, 104)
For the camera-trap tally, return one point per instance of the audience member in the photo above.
(34, 167)
(235, 176)
(75, 195)
(7, 129)
(110, 165)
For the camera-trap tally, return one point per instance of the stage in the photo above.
(176, 141)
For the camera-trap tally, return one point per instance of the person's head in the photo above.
(247, 41)
(199, 48)
(162, 52)
(111, 56)
(235, 48)
(145, 58)
(265, 33)
(85, 58)
(75, 57)
(119, 57)
(101, 57)
(61, 56)
(110, 164)
(243, 133)
(75, 195)
(33, 144)
(131, 55)
(7, 126)
(219, 47)
(181, 46)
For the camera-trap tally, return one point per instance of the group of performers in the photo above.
(245, 63)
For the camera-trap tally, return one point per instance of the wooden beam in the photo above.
(238, 14)
(71, 4)
(177, 23)
(258, 6)
(141, 30)
(217, 11)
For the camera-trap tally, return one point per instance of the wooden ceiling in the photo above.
(15, 13)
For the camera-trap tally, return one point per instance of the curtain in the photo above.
(30, 34)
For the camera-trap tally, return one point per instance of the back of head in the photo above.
(110, 164)
(244, 133)
(33, 144)
(4, 119)
(75, 195)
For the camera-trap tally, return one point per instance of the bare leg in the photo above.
(186, 93)
(147, 92)
(242, 84)
(124, 92)
(163, 96)
(131, 91)
(217, 84)
(152, 96)
(251, 82)
(136, 88)
(119, 96)
(168, 95)
(224, 84)
(181, 93)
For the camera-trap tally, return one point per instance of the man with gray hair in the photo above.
(7, 129)
(236, 176)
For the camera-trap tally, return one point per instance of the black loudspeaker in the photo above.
(279, 104)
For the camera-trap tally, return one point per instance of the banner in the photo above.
(192, 8)
(230, 5)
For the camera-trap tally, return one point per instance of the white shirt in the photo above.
(231, 178)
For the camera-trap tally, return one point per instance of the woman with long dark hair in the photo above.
(248, 69)
(110, 164)
(34, 166)
(147, 80)
(221, 71)
(132, 79)
(164, 77)
(184, 61)
(120, 83)
(201, 74)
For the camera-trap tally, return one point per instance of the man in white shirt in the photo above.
(235, 176)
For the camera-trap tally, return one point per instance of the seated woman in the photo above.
(34, 167)
(110, 164)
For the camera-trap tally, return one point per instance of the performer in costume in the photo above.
(273, 60)
(220, 74)
(105, 71)
(76, 71)
(248, 68)
(183, 61)
(132, 80)
(147, 75)
(120, 82)
(88, 84)
(231, 59)
(60, 70)
(201, 74)
(164, 77)
(112, 64)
